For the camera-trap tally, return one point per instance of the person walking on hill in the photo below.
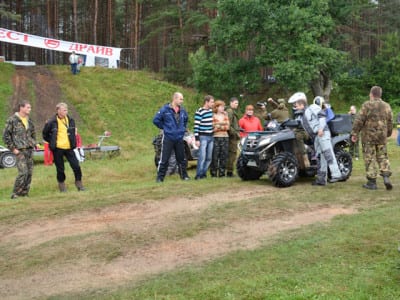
(375, 122)
(172, 118)
(221, 140)
(60, 133)
(234, 135)
(203, 133)
(249, 122)
(73, 60)
(20, 138)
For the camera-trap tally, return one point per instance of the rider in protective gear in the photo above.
(314, 122)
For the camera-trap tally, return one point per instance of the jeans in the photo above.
(205, 155)
(398, 137)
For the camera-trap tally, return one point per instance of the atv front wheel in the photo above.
(283, 170)
(244, 172)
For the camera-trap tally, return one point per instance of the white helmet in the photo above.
(319, 100)
(297, 96)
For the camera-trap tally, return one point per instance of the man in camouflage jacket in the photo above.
(375, 122)
(234, 135)
(19, 136)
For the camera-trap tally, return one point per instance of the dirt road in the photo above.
(159, 254)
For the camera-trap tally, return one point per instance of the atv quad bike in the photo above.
(191, 151)
(276, 153)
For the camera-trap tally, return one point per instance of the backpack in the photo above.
(330, 115)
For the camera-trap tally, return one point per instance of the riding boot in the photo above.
(371, 184)
(79, 185)
(62, 187)
(387, 182)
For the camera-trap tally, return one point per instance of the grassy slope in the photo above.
(354, 258)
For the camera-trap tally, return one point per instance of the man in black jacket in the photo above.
(60, 132)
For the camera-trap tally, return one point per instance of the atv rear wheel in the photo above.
(345, 164)
(283, 170)
(244, 172)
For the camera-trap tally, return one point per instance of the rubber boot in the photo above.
(62, 187)
(79, 185)
(371, 184)
(387, 182)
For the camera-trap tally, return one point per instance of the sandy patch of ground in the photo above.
(152, 258)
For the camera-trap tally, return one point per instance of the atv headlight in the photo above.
(264, 142)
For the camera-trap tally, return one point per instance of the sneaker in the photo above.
(159, 180)
(186, 178)
(14, 196)
(230, 174)
(335, 179)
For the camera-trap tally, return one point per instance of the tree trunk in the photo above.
(96, 8)
(322, 86)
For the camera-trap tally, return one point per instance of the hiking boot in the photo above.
(79, 186)
(387, 183)
(62, 187)
(371, 184)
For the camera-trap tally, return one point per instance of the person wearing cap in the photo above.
(261, 112)
(280, 112)
(299, 102)
(314, 122)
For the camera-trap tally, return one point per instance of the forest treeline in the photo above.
(228, 46)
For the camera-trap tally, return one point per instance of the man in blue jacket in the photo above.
(172, 118)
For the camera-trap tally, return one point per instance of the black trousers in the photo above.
(69, 154)
(166, 149)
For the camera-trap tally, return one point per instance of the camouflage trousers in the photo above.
(376, 158)
(219, 156)
(232, 154)
(25, 169)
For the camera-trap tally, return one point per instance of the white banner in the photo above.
(15, 37)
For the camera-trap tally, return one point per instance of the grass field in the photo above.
(89, 245)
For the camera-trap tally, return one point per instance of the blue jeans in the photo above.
(205, 155)
(74, 69)
(398, 137)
